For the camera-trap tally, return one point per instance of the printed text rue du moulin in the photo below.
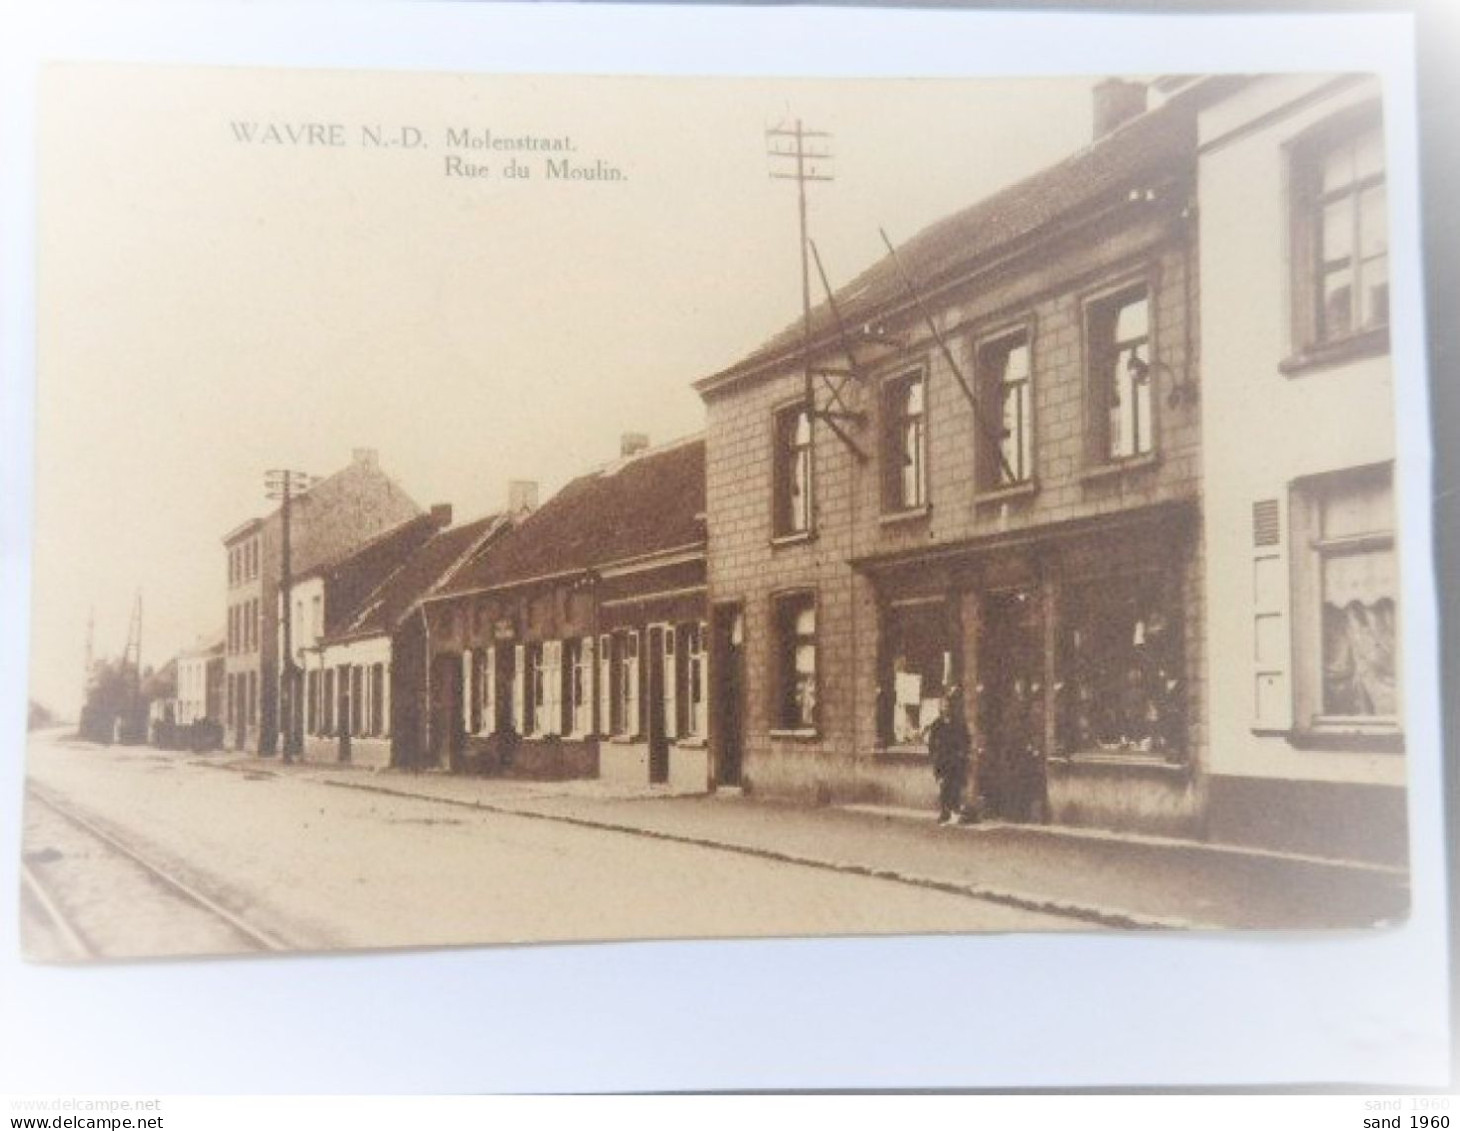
(556, 154)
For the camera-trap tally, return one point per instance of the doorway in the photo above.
(1011, 705)
(727, 693)
(447, 735)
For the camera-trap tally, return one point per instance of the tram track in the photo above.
(100, 896)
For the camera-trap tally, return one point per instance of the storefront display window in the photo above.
(1121, 687)
(919, 670)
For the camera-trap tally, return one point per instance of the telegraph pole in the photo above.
(284, 485)
(807, 151)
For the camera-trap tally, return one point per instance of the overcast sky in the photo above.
(210, 308)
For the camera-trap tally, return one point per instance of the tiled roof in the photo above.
(643, 505)
(1138, 154)
(382, 610)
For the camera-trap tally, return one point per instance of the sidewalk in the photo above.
(1102, 878)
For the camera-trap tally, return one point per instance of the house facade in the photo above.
(336, 514)
(348, 694)
(200, 681)
(992, 492)
(575, 645)
(365, 667)
(1306, 688)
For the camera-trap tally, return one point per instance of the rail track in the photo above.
(90, 894)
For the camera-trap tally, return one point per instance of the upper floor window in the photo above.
(1118, 349)
(1005, 396)
(793, 471)
(905, 447)
(1341, 232)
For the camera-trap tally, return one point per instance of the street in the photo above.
(319, 868)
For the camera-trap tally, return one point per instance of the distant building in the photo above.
(996, 499)
(574, 645)
(340, 512)
(200, 676)
(1307, 693)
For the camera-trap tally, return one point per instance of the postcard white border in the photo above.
(1029, 1011)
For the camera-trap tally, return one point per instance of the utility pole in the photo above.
(805, 151)
(284, 485)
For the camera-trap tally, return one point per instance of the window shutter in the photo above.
(1265, 528)
(519, 696)
(702, 686)
(1272, 699)
(671, 684)
(605, 684)
(631, 683)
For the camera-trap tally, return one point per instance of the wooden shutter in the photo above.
(631, 683)
(671, 683)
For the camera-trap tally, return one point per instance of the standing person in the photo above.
(949, 747)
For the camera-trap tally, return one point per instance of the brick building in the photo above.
(1306, 685)
(574, 645)
(1000, 501)
(335, 514)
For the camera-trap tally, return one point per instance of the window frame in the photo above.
(1311, 342)
(1002, 339)
(1098, 393)
(784, 457)
(893, 451)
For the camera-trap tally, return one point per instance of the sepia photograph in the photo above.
(478, 509)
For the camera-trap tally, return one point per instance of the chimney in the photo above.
(366, 457)
(1116, 102)
(521, 495)
(632, 443)
(441, 515)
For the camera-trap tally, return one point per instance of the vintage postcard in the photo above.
(484, 509)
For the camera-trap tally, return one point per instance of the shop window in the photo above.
(1006, 400)
(792, 471)
(795, 617)
(905, 443)
(1118, 349)
(919, 649)
(1340, 221)
(327, 702)
(1347, 603)
(1122, 688)
(311, 700)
